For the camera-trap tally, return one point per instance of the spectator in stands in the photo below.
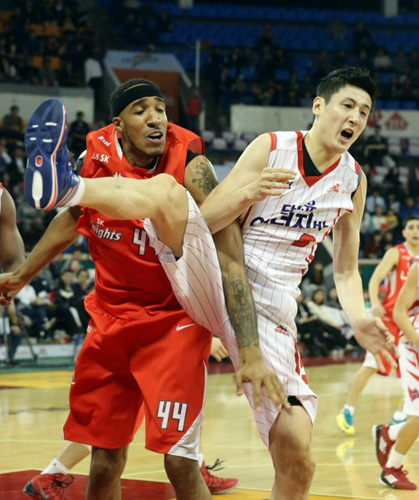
(163, 22)
(379, 220)
(374, 200)
(393, 202)
(391, 181)
(18, 164)
(393, 221)
(267, 37)
(47, 74)
(77, 134)
(67, 315)
(363, 44)
(376, 150)
(409, 208)
(401, 62)
(382, 61)
(374, 247)
(93, 75)
(337, 30)
(194, 109)
(388, 241)
(25, 302)
(310, 330)
(314, 279)
(332, 330)
(13, 126)
(82, 287)
(5, 158)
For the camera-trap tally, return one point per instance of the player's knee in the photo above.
(107, 465)
(180, 470)
(172, 193)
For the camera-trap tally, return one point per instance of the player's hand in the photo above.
(271, 182)
(378, 311)
(253, 370)
(372, 335)
(218, 351)
(10, 284)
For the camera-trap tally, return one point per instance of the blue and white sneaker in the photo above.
(50, 179)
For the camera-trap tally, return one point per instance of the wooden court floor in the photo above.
(33, 407)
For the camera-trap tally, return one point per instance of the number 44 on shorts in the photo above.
(175, 411)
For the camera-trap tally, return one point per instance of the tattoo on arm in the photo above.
(204, 177)
(242, 312)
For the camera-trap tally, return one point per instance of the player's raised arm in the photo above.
(251, 180)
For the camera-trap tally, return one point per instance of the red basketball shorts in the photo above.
(159, 360)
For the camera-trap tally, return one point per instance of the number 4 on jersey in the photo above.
(176, 411)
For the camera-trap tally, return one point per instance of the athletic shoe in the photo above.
(50, 180)
(397, 479)
(217, 485)
(48, 486)
(395, 421)
(345, 422)
(383, 443)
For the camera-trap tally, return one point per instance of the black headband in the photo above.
(133, 94)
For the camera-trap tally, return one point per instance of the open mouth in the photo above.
(347, 134)
(155, 136)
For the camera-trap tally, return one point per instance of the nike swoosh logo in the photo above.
(178, 328)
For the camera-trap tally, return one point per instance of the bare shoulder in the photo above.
(200, 178)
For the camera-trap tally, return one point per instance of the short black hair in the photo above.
(125, 86)
(408, 219)
(339, 78)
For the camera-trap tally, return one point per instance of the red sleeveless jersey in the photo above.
(397, 278)
(128, 273)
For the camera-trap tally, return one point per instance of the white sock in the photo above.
(395, 460)
(351, 409)
(78, 195)
(393, 431)
(56, 467)
(399, 415)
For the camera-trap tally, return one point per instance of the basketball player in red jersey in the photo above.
(394, 267)
(142, 348)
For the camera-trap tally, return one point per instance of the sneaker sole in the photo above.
(46, 132)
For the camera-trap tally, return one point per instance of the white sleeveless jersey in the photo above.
(281, 233)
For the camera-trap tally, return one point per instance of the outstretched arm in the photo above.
(369, 332)
(58, 236)
(200, 180)
(12, 251)
(250, 181)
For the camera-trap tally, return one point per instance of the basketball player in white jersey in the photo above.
(315, 185)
